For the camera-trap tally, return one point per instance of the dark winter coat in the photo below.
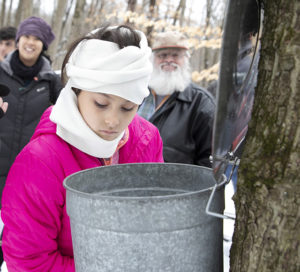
(185, 123)
(25, 107)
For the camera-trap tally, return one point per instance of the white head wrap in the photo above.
(100, 66)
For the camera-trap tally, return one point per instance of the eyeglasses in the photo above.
(173, 54)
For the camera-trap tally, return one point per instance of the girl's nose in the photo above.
(112, 121)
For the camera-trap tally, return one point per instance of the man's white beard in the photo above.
(167, 82)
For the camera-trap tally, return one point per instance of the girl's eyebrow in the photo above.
(108, 96)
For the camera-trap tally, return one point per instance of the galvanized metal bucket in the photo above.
(145, 217)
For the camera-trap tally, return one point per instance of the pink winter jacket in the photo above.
(37, 234)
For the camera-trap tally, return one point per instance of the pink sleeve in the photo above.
(33, 202)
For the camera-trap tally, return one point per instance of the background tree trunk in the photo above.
(78, 20)
(150, 17)
(9, 12)
(27, 8)
(131, 5)
(18, 17)
(180, 11)
(209, 7)
(266, 236)
(2, 19)
(57, 19)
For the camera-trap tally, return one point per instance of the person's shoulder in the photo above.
(193, 87)
(47, 69)
(194, 91)
(142, 124)
(142, 130)
(5, 64)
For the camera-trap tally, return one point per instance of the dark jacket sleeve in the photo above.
(202, 129)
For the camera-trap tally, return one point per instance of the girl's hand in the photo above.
(3, 107)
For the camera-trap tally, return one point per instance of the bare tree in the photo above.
(9, 14)
(180, 10)
(149, 30)
(266, 236)
(57, 18)
(2, 19)
(131, 5)
(27, 9)
(209, 10)
(65, 19)
(19, 12)
(24, 10)
(78, 20)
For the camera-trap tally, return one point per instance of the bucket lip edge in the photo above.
(142, 198)
(122, 198)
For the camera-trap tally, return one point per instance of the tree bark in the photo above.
(19, 13)
(8, 19)
(27, 9)
(150, 17)
(209, 10)
(266, 235)
(56, 27)
(131, 5)
(78, 20)
(180, 10)
(3, 13)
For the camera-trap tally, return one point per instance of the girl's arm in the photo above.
(33, 205)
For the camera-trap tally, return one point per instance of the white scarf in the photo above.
(73, 129)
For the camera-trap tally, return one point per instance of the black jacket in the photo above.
(185, 123)
(25, 107)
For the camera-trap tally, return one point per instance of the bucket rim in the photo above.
(99, 195)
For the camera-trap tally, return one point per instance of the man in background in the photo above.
(182, 111)
(7, 41)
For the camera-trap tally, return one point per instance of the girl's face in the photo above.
(30, 48)
(106, 114)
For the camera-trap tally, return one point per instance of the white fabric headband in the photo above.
(100, 66)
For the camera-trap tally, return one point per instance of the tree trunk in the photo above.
(27, 9)
(8, 17)
(56, 27)
(150, 17)
(131, 5)
(78, 20)
(19, 13)
(181, 18)
(2, 19)
(266, 235)
(209, 10)
(180, 10)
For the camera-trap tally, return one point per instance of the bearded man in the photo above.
(182, 111)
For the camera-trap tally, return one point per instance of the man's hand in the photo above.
(4, 90)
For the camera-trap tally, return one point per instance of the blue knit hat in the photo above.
(37, 27)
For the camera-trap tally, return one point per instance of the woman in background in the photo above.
(33, 88)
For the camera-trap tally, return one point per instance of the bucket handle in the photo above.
(207, 209)
(226, 181)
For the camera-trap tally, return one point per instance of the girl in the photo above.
(93, 123)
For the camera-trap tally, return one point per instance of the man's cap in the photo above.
(170, 39)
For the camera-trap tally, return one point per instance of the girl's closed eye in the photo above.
(128, 108)
(99, 105)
